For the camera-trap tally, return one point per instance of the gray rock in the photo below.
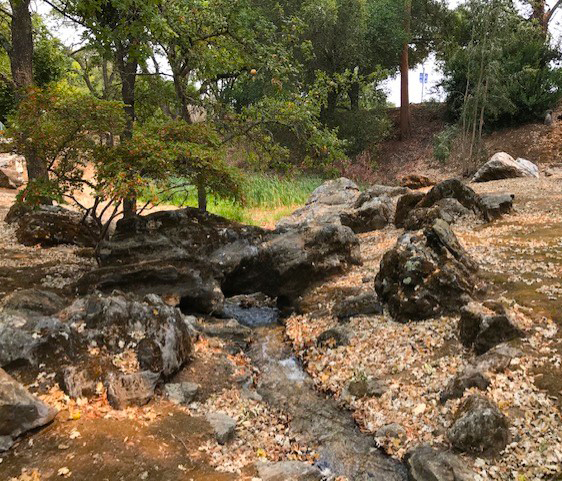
(223, 426)
(482, 329)
(467, 379)
(288, 471)
(405, 205)
(19, 411)
(136, 389)
(163, 343)
(528, 165)
(22, 336)
(50, 225)
(498, 205)
(325, 205)
(448, 210)
(364, 304)
(199, 258)
(503, 166)
(339, 202)
(479, 427)
(369, 215)
(426, 274)
(253, 310)
(181, 393)
(425, 463)
(497, 359)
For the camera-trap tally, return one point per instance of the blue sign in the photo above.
(424, 78)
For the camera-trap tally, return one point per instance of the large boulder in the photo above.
(425, 463)
(123, 342)
(325, 205)
(426, 274)
(19, 411)
(50, 225)
(195, 257)
(504, 166)
(479, 427)
(480, 328)
(155, 331)
(448, 210)
(449, 200)
(290, 261)
(340, 202)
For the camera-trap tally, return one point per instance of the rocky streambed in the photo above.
(427, 366)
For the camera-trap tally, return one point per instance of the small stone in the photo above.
(497, 359)
(479, 427)
(481, 329)
(364, 304)
(465, 380)
(181, 393)
(223, 426)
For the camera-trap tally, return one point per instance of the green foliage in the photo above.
(443, 143)
(499, 64)
(160, 150)
(61, 127)
(50, 61)
(261, 193)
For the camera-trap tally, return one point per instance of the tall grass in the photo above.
(266, 198)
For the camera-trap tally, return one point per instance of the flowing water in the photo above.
(330, 430)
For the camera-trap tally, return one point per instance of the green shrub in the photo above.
(443, 143)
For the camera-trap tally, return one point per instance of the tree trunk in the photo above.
(540, 14)
(21, 64)
(405, 125)
(353, 93)
(328, 113)
(21, 53)
(128, 72)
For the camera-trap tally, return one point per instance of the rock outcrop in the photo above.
(426, 274)
(19, 411)
(198, 258)
(479, 427)
(125, 343)
(504, 166)
(49, 225)
(340, 202)
(449, 200)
